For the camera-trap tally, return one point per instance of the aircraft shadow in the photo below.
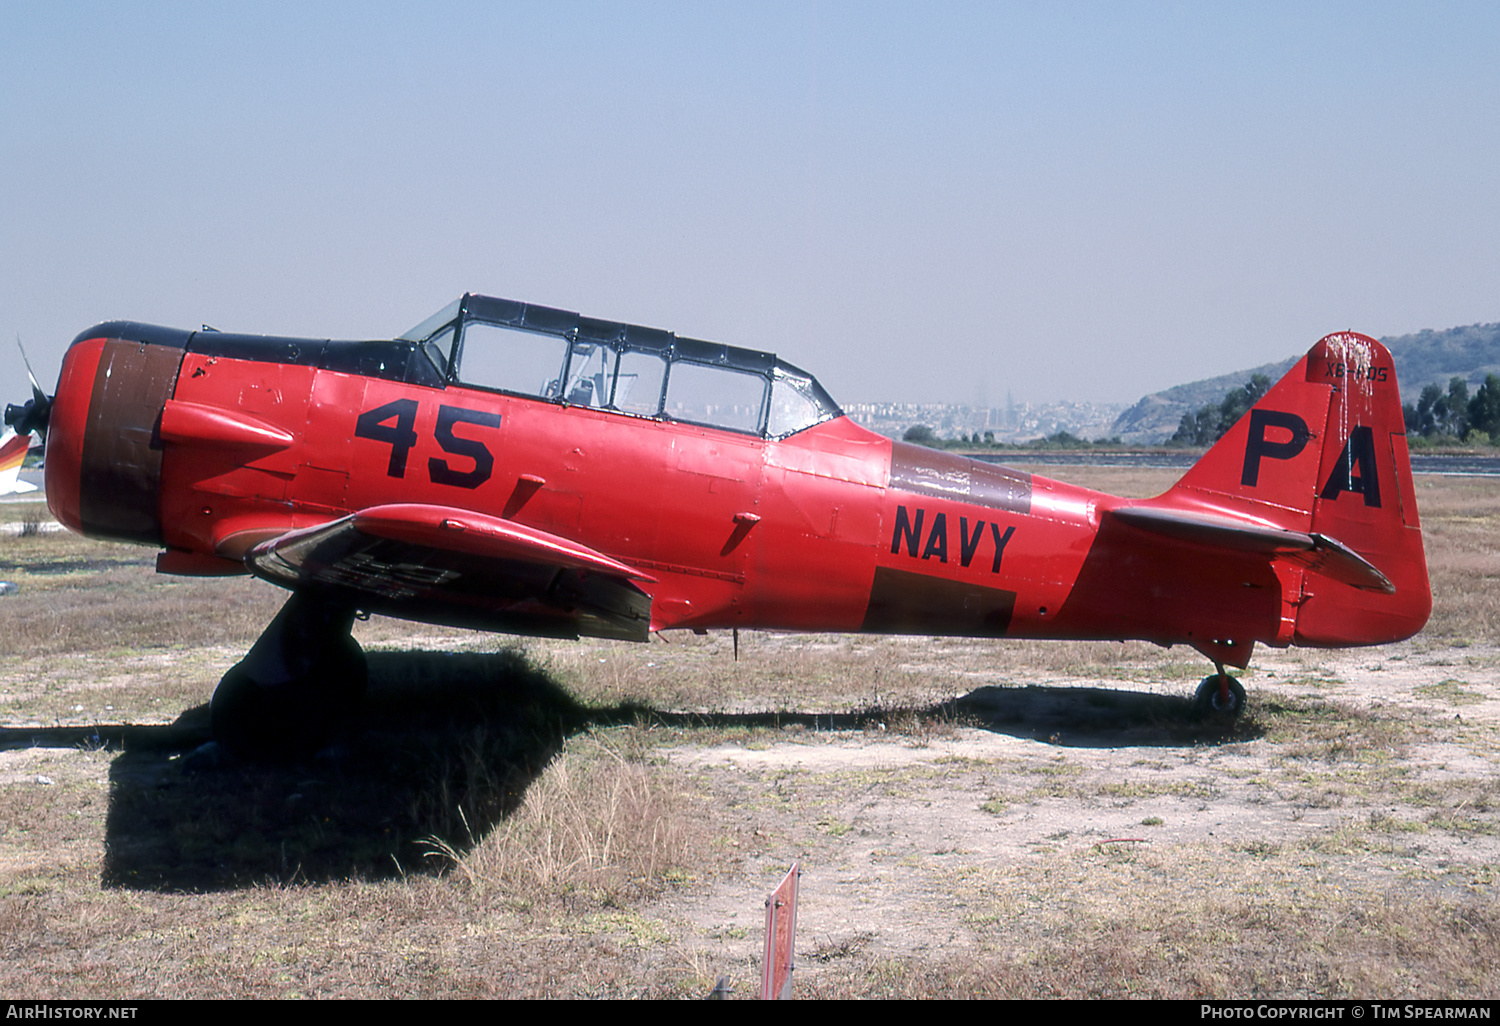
(1077, 717)
(443, 748)
(1071, 717)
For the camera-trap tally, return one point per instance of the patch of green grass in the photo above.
(638, 930)
(1259, 849)
(1332, 732)
(1138, 789)
(1388, 824)
(1318, 682)
(1454, 823)
(1453, 692)
(1057, 767)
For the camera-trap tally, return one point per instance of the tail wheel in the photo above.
(1219, 699)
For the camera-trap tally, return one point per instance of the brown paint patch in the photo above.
(121, 465)
(902, 602)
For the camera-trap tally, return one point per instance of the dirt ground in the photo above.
(908, 817)
(1042, 820)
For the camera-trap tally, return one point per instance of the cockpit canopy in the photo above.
(554, 355)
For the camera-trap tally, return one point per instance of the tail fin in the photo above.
(13, 448)
(1323, 454)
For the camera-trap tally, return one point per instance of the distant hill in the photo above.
(1469, 352)
(1155, 417)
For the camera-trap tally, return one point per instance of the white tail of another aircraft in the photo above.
(13, 448)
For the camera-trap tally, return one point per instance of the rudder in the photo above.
(1366, 499)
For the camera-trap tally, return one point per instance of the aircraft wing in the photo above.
(443, 565)
(1316, 552)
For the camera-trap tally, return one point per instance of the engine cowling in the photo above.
(104, 449)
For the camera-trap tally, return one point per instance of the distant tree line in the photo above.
(1436, 415)
(1454, 413)
(1209, 424)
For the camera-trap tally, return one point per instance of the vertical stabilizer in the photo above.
(1324, 453)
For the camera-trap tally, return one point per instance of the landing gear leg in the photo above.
(305, 671)
(1220, 698)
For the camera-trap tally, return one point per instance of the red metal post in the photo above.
(781, 929)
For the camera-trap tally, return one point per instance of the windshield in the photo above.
(430, 326)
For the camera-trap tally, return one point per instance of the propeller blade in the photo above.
(33, 416)
(36, 389)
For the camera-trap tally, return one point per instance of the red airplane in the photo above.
(511, 467)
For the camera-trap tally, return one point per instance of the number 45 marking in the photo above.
(395, 424)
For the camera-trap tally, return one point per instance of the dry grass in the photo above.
(1250, 949)
(598, 823)
(31, 521)
(1131, 482)
(1460, 525)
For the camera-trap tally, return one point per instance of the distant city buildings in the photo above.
(1012, 423)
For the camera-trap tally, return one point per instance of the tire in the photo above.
(1210, 708)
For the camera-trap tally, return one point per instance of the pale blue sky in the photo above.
(915, 202)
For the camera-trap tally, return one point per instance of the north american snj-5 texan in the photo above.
(511, 467)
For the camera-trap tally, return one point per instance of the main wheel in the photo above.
(1219, 699)
(290, 719)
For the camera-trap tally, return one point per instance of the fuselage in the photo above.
(782, 516)
(826, 529)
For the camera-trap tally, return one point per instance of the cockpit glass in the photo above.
(794, 405)
(552, 354)
(638, 385)
(526, 362)
(431, 324)
(591, 374)
(716, 396)
(439, 348)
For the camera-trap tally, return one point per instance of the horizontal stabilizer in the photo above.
(1315, 552)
